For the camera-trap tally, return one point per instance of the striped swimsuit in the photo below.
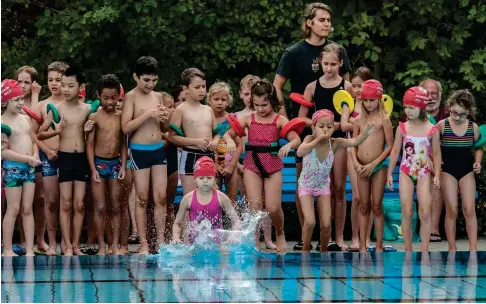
(457, 157)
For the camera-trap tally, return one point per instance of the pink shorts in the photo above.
(314, 193)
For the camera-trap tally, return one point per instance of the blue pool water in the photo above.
(255, 277)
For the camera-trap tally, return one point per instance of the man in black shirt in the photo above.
(301, 65)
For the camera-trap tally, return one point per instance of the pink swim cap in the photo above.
(321, 113)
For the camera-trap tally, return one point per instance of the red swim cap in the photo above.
(11, 89)
(122, 91)
(371, 89)
(204, 167)
(416, 97)
(82, 93)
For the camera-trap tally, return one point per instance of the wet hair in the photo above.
(57, 66)
(265, 88)
(146, 65)
(333, 48)
(176, 92)
(77, 74)
(109, 81)
(363, 116)
(188, 74)
(465, 99)
(218, 87)
(363, 73)
(248, 81)
(309, 14)
(29, 70)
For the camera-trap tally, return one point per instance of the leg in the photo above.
(78, 218)
(125, 184)
(28, 191)
(52, 212)
(298, 166)
(66, 204)
(114, 187)
(267, 232)
(467, 186)
(231, 183)
(307, 204)
(89, 210)
(40, 213)
(108, 225)
(13, 195)
(406, 188)
(142, 184)
(353, 176)
(449, 187)
(159, 187)
(324, 209)
(254, 190)
(99, 200)
(171, 193)
(425, 207)
(437, 205)
(339, 179)
(378, 182)
(273, 202)
(132, 199)
(364, 188)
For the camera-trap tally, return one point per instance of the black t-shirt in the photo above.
(300, 65)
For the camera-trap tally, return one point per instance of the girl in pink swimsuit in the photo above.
(419, 140)
(204, 204)
(263, 162)
(318, 152)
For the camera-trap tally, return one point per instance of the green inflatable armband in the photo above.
(6, 130)
(55, 114)
(95, 104)
(176, 129)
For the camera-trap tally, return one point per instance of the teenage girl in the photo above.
(459, 165)
(419, 140)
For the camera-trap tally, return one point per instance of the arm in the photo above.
(308, 95)
(45, 132)
(388, 130)
(217, 136)
(346, 125)
(183, 207)
(90, 150)
(306, 147)
(230, 210)
(354, 150)
(9, 154)
(35, 130)
(124, 151)
(236, 156)
(395, 152)
(437, 154)
(478, 154)
(130, 125)
(279, 82)
(353, 142)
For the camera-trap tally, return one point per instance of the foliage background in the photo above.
(402, 41)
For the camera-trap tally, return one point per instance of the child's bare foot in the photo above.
(354, 245)
(379, 249)
(341, 244)
(51, 251)
(109, 250)
(30, 253)
(281, 244)
(68, 252)
(143, 249)
(101, 250)
(123, 250)
(9, 253)
(42, 246)
(77, 251)
(270, 245)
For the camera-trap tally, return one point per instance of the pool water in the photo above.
(209, 276)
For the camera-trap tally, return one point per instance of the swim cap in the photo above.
(416, 97)
(204, 167)
(10, 90)
(321, 113)
(122, 91)
(371, 89)
(82, 93)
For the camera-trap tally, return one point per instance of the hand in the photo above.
(52, 155)
(370, 128)
(219, 168)
(211, 145)
(89, 125)
(389, 182)
(436, 182)
(34, 161)
(228, 170)
(202, 144)
(35, 88)
(121, 173)
(96, 176)
(357, 167)
(366, 170)
(231, 146)
(477, 167)
(284, 151)
(4, 139)
(60, 125)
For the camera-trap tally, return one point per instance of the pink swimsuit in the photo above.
(314, 179)
(415, 156)
(198, 212)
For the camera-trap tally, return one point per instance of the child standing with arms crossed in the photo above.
(368, 160)
(460, 165)
(107, 156)
(420, 140)
(20, 158)
(314, 182)
(263, 170)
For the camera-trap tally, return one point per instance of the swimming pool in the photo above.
(209, 277)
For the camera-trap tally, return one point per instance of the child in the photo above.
(179, 95)
(48, 150)
(73, 167)
(20, 158)
(318, 152)
(107, 155)
(459, 165)
(198, 124)
(368, 160)
(263, 169)
(204, 203)
(245, 94)
(145, 118)
(417, 169)
(359, 77)
(219, 99)
(322, 92)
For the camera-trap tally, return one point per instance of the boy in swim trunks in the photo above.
(107, 156)
(20, 158)
(145, 118)
(73, 168)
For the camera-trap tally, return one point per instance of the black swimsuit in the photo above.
(457, 157)
(323, 100)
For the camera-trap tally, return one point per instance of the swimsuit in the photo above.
(108, 168)
(16, 174)
(457, 157)
(263, 147)
(323, 100)
(314, 179)
(172, 161)
(144, 156)
(72, 167)
(416, 151)
(211, 212)
(48, 167)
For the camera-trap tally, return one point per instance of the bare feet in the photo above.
(123, 250)
(354, 245)
(270, 245)
(101, 250)
(281, 244)
(9, 253)
(143, 249)
(68, 252)
(30, 253)
(343, 246)
(51, 251)
(42, 246)
(77, 251)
